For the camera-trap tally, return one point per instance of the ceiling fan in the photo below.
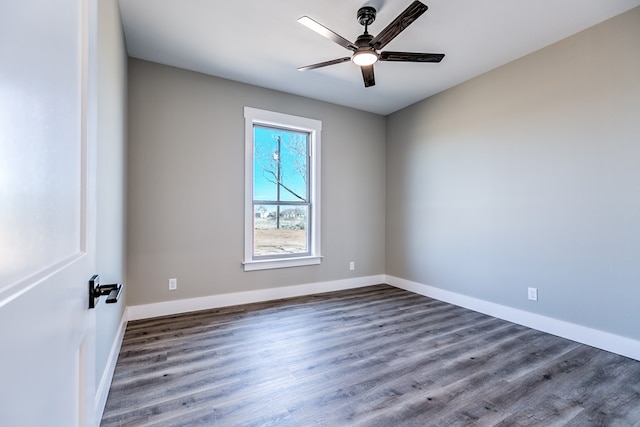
(365, 49)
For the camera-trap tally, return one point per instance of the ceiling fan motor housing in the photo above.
(363, 41)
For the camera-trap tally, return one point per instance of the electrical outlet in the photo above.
(173, 284)
(533, 294)
(352, 265)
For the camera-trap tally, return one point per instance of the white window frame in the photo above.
(254, 116)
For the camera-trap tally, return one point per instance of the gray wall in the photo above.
(111, 128)
(528, 176)
(186, 182)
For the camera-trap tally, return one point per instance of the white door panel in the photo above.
(47, 212)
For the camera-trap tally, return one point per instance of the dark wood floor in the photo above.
(375, 356)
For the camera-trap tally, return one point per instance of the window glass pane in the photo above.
(280, 165)
(281, 230)
(264, 164)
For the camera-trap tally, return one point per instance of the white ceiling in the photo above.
(260, 42)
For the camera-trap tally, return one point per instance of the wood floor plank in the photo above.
(374, 356)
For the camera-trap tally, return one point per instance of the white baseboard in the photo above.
(102, 391)
(582, 334)
(146, 311)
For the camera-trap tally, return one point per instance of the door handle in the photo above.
(96, 290)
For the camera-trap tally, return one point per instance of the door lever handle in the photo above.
(114, 293)
(96, 290)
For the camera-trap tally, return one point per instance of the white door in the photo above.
(47, 213)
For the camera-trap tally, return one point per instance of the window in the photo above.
(282, 190)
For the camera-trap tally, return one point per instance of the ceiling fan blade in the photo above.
(403, 20)
(325, 32)
(368, 76)
(324, 64)
(411, 56)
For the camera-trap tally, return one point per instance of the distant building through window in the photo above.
(282, 224)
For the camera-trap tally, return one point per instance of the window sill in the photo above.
(281, 263)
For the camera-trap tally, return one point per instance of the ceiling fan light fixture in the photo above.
(363, 58)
